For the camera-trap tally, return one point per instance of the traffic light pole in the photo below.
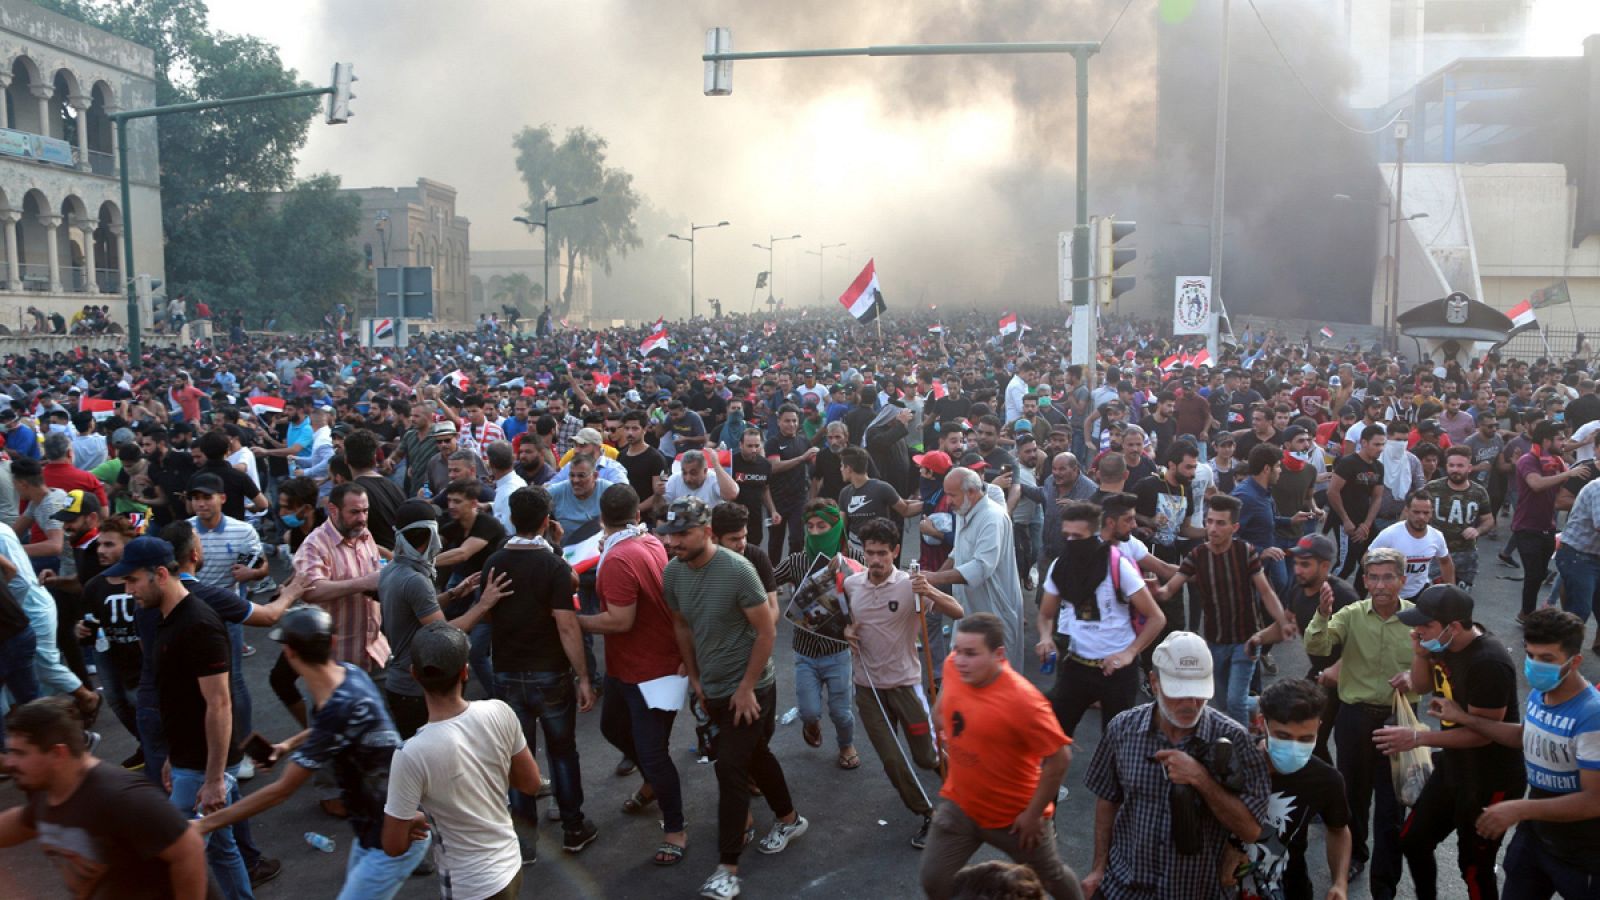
(121, 119)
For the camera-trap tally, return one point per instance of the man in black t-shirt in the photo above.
(538, 649)
(791, 457)
(645, 465)
(864, 499)
(1304, 789)
(383, 496)
(752, 471)
(111, 833)
(1353, 495)
(1458, 660)
(467, 535)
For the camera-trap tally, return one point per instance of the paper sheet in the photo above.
(665, 693)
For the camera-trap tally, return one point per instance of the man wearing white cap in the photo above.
(1164, 812)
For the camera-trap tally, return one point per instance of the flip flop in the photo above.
(638, 803)
(851, 760)
(812, 732)
(668, 854)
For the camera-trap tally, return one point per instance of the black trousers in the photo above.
(409, 713)
(1535, 548)
(1367, 779)
(743, 755)
(1078, 686)
(1452, 800)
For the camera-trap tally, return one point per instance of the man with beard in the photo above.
(791, 457)
(1137, 837)
(338, 563)
(986, 432)
(1259, 520)
(827, 476)
(1461, 512)
(1354, 494)
(752, 471)
(167, 474)
(984, 560)
(1097, 616)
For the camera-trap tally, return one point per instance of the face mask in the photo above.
(404, 550)
(1543, 676)
(1436, 645)
(1289, 756)
(292, 520)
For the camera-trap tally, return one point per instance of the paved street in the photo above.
(857, 845)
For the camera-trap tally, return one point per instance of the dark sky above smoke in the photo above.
(956, 174)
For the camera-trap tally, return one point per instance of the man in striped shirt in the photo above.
(338, 562)
(1225, 577)
(477, 430)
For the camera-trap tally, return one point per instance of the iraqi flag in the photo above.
(458, 380)
(261, 404)
(1522, 317)
(939, 390)
(101, 409)
(863, 298)
(599, 349)
(602, 382)
(936, 329)
(384, 329)
(1326, 332)
(657, 341)
(1203, 358)
(1171, 362)
(1009, 324)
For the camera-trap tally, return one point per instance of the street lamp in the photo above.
(548, 209)
(771, 275)
(381, 222)
(818, 253)
(690, 239)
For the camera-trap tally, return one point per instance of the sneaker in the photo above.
(134, 763)
(247, 769)
(530, 852)
(722, 885)
(920, 839)
(264, 585)
(1506, 560)
(575, 841)
(264, 871)
(781, 834)
(544, 790)
(249, 651)
(91, 740)
(552, 813)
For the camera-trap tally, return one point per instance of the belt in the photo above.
(1083, 660)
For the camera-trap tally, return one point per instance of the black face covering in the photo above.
(1078, 571)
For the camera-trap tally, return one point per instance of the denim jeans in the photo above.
(242, 711)
(811, 673)
(1532, 873)
(153, 741)
(118, 694)
(479, 659)
(644, 735)
(1277, 572)
(1581, 573)
(48, 666)
(371, 874)
(1231, 668)
(16, 672)
(221, 852)
(548, 700)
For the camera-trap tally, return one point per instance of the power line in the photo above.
(1114, 23)
(1309, 92)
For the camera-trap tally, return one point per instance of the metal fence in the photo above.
(1558, 344)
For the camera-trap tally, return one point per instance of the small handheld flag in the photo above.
(656, 341)
(1326, 332)
(1008, 324)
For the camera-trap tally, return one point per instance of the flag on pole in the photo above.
(1203, 358)
(939, 391)
(598, 350)
(1554, 295)
(458, 380)
(656, 341)
(936, 329)
(100, 408)
(384, 329)
(261, 404)
(1171, 362)
(1326, 332)
(1522, 317)
(1008, 324)
(660, 325)
(863, 299)
(602, 382)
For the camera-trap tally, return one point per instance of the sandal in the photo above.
(812, 732)
(638, 803)
(669, 854)
(851, 760)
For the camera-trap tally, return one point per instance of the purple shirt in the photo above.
(1535, 510)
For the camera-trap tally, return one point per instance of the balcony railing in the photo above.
(101, 163)
(107, 281)
(35, 276)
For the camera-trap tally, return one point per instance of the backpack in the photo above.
(1137, 620)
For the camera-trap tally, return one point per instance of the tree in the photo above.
(516, 289)
(570, 172)
(219, 167)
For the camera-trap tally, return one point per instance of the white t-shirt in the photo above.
(1585, 438)
(458, 772)
(1114, 632)
(1420, 552)
(1204, 478)
(247, 459)
(707, 491)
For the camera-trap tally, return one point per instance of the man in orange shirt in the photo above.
(1007, 758)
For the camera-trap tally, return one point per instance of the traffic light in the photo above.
(1108, 258)
(344, 76)
(719, 75)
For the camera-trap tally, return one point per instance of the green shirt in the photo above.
(1375, 650)
(712, 599)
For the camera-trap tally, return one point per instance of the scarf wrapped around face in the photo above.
(1078, 571)
(828, 542)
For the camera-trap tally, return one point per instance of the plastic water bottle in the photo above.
(320, 841)
(101, 643)
(1049, 665)
(789, 717)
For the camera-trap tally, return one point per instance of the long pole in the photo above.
(546, 285)
(691, 271)
(772, 274)
(1218, 191)
(1392, 314)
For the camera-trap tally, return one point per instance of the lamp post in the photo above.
(771, 275)
(381, 222)
(548, 209)
(818, 253)
(690, 239)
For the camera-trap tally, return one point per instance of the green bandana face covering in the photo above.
(828, 542)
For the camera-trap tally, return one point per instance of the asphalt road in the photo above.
(857, 845)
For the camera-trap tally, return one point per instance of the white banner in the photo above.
(1191, 304)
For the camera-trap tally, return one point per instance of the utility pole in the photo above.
(690, 239)
(1219, 178)
(821, 274)
(772, 276)
(548, 209)
(1391, 315)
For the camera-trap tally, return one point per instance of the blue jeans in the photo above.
(221, 851)
(371, 874)
(548, 700)
(1231, 668)
(811, 673)
(48, 666)
(1277, 572)
(153, 741)
(242, 712)
(16, 672)
(644, 735)
(119, 695)
(478, 659)
(1533, 874)
(1581, 573)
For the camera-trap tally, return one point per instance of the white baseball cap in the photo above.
(1183, 662)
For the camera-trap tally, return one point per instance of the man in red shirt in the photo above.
(59, 472)
(641, 656)
(1007, 758)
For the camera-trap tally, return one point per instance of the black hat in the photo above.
(438, 649)
(1315, 546)
(304, 628)
(1442, 603)
(206, 483)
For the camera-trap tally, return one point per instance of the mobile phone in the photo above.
(259, 749)
(248, 560)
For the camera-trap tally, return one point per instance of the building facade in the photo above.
(60, 201)
(418, 226)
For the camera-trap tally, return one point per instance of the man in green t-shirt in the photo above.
(725, 632)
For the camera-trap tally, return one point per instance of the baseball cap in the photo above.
(683, 514)
(81, 504)
(304, 628)
(438, 649)
(142, 553)
(974, 461)
(587, 437)
(936, 461)
(1442, 603)
(1292, 432)
(206, 483)
(1315, 546)
(1183, 663)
